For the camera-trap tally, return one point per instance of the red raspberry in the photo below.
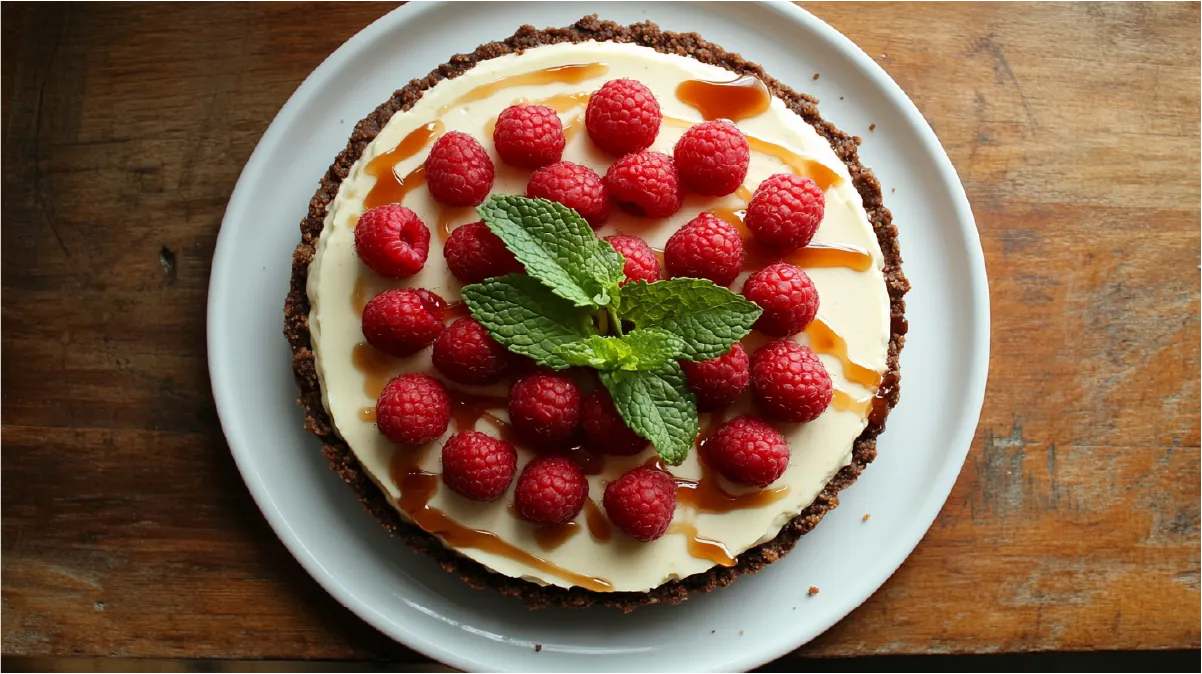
(641, 263)
(528, 136)
(785, 211)
(787, 296)
(623, 116)
(712, 158)
(705, 247)
(746, 450)
(575, 186)
(718, 382)
(392, 241)
(459, 171)
(645, 184)
(413, 409)
(474, 253)
(605, 430)
(551, 490)
(477, 466)
(403, 322)
(788, 381)
(545, 408)
(641, 503)
(467, 354)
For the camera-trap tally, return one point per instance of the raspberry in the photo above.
(746, 450)
(458, 171)
(474, 253)
(641, 263)
(605, 430)
(545, 408)
(785, 211)
(641, 503)
(645, 184)
(712, 158)
(787, 296)
(575, 186)
(392, 241)
(528, 136)
(705, 247)
(413, 409)
(403, 322)
(788, 382)
(551, 490)
(467, 354)
(477, 466)
(623, 116)
(718, 382)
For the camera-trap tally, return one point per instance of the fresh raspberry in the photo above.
(477, 466)
(785, 211)
(712, 158)
(575, 186)
(623, 116)
(788, 382)
(787, 296)
(413, 409)
(528, 136)
(705, 247)
(551, 490)
(641, 503)
(746, 450)
(641, 263)
(459, 171)
(474, 253)
(605, 430)
(467, 354)
(392, 241)
(718, 382)
(545, 408)
(403, 322)
(645, 184)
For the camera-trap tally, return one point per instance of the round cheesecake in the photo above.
(719, 529)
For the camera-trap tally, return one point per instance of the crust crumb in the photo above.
(813, 590)
(866, 516)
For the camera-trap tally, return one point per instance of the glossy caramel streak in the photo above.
(824, 339)
(390, 188)
(736, 99)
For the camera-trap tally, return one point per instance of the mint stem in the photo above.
(613, 318)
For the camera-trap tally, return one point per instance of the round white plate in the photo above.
(760, 617)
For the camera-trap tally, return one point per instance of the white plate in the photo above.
(758, 618)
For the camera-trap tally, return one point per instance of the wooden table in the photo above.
(1074, 525)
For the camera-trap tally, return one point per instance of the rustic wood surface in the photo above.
(1075, 522)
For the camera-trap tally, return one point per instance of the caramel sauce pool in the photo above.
(736, 99)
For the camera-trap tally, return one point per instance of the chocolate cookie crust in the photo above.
(342, 458)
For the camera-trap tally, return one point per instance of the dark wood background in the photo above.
(1074, 525)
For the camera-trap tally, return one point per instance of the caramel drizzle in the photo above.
(844, 402)
(737, 99)
(598, 524)
(824, 339)
(702, 548)
(389, 187)
(418, 487)
(374, 366)
(569, 74)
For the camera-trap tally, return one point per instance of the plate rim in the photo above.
(221, 382)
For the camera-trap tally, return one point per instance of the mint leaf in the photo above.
(637, 350)
(708, 317)
(524, 316)
(557, 246)
(659, 406)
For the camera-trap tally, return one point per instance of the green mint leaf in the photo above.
(637, 350)
(659, 406)
(708, 317)
(525, 317)
(557, 246)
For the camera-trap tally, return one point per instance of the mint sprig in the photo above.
(708, 317)
(644, 349)
(567, 311)
(659, 406)
(525, 317)
(557, 246)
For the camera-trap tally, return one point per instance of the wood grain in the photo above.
(1075, 522)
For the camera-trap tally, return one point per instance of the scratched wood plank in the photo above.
(1075, 522)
